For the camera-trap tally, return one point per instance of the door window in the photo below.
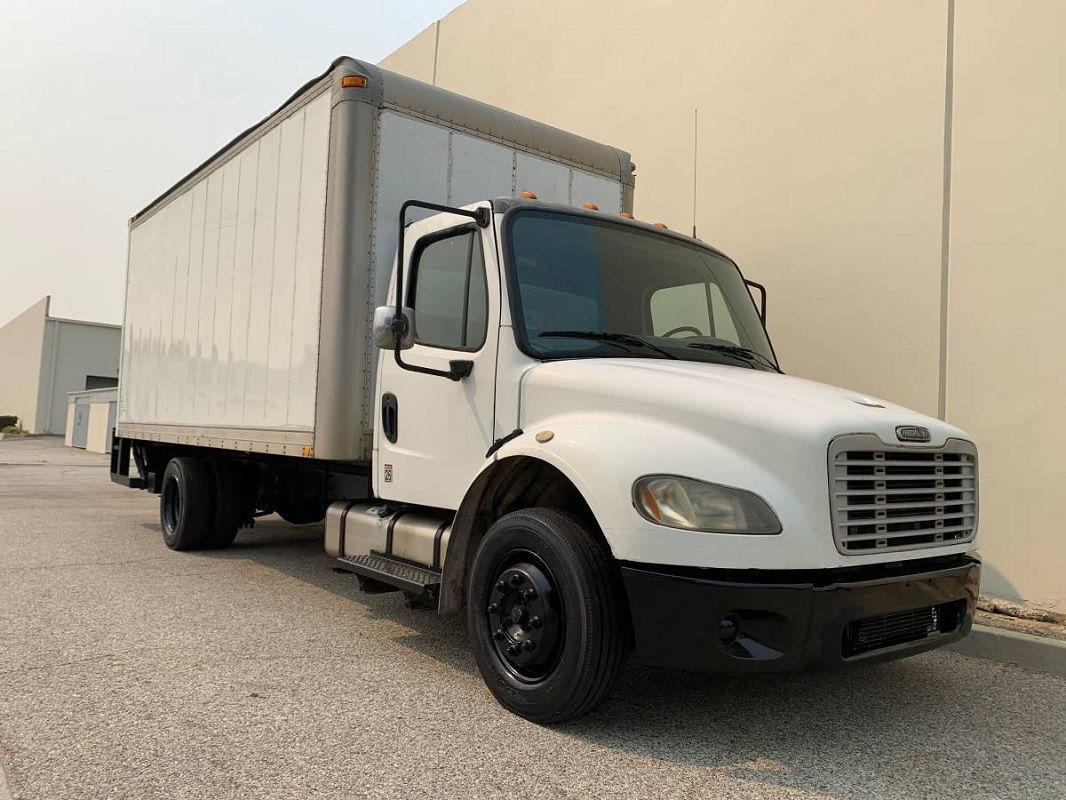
(448, 292)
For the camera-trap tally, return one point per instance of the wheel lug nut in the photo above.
(516, 578)
(529, 594)
(497, 634)
(501, 585)
(528, 644)
(494, 607)
(512, 649)
(534, 622)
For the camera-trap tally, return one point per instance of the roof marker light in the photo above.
(528, 195)
(590, 206)
(661, 225)
(626, 214)
(353, 82)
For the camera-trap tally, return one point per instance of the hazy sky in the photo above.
(105, 104)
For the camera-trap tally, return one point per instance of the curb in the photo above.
(1009, 647)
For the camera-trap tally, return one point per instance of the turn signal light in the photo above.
(527, 195)
(353, 82)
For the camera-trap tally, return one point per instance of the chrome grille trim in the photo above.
(886, 498)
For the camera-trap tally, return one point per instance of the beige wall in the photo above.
(1006, 318)
(822, 187)
(21, 343)
(821, 168)
(68, 436)
(99, 416)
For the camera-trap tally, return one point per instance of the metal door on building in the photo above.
(80, 436)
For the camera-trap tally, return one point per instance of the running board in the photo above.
(401, 574)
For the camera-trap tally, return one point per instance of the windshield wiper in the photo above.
(743, 353)
(623, 340)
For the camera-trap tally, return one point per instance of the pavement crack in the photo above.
(64, 564)
(45, 464)
(75, 661)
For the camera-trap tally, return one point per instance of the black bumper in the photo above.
(772, 621)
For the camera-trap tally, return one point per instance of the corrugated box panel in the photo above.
(224, 289)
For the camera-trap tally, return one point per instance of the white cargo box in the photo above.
(251, 283)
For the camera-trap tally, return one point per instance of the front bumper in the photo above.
(709, 620)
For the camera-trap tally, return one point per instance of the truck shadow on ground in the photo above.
(905, 729)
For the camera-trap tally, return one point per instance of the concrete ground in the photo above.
(127, 670)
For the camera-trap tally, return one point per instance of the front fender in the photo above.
(602, 454)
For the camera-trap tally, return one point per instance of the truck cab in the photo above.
(561, 379)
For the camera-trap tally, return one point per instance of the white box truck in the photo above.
(566, 421)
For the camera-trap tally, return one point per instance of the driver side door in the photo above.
(431, 433)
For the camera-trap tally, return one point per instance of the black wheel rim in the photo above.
(171, 505)
(524, 616)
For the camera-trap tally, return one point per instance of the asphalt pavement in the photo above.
(129, 671)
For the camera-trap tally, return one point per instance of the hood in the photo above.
(717, 399)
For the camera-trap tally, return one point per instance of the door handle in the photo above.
(390, 411)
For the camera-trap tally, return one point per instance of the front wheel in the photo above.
(546, 616)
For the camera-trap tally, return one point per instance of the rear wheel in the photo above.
(231, 504)
(186, 503)
(546, 616)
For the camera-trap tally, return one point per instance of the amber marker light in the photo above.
(626, 214)
(590, 206)
(528, 195)
(661, 225)
(353, 82)
(651, 505)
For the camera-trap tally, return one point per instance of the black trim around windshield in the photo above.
(518, 320)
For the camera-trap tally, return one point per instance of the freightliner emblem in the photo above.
(912, 433)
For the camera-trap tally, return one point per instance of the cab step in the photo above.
(403, 575)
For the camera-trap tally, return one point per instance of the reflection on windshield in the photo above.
(603, 283)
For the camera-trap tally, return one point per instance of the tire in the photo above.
(575, 616)
(230, 504)
(186, 503)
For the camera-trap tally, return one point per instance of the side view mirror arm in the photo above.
(762, 298)
(459, 368)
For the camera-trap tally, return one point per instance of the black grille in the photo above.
(899, 627)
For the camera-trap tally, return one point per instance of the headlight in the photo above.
(694, 505)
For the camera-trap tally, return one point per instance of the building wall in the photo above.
(825, 167)
(101, 421)
(819, 169)
(72, 351)
(1007, 280)
(21, 343)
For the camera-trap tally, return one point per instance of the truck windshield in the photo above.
(589, 288)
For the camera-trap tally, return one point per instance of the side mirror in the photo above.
(385, 336)
(758, 287)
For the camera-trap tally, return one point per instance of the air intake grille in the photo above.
(899, 627)
(901, 498)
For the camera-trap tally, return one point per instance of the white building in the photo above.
(42, 358)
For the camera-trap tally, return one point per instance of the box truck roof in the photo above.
(386, 89)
